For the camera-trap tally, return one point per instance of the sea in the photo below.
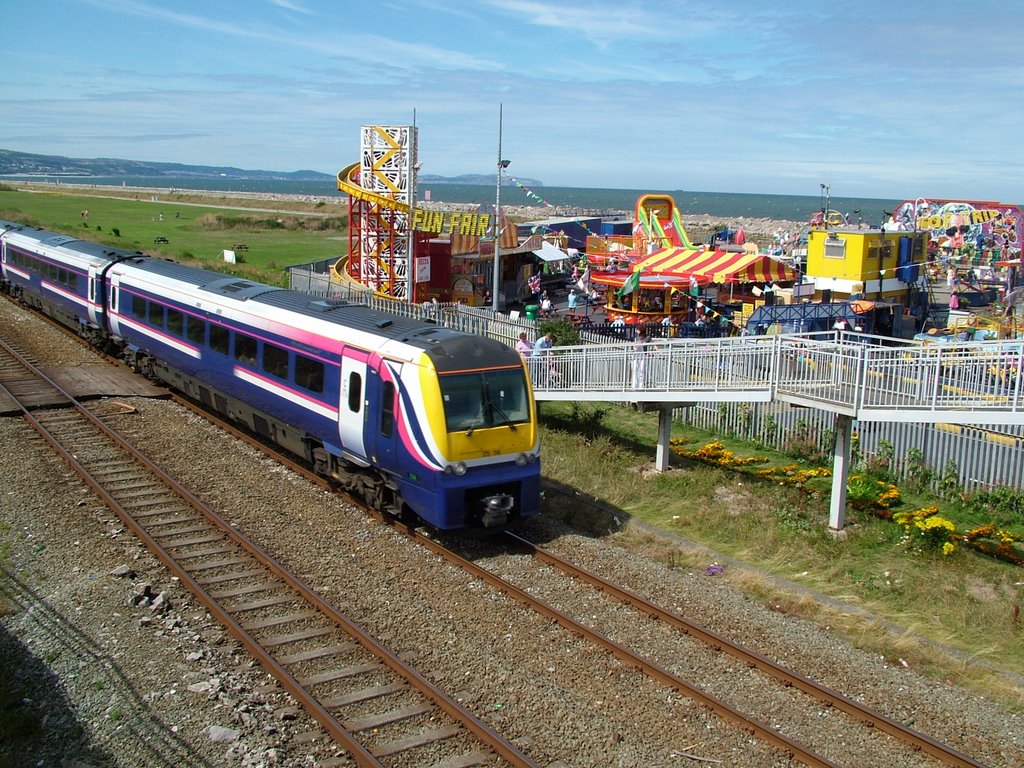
(730, 205)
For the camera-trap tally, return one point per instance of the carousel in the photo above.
(659, 276)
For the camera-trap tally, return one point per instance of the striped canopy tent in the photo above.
(715, 266)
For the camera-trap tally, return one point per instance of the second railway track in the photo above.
(537, 586)
(379, 708)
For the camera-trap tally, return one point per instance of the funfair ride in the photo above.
(658, 275)
(384, 223)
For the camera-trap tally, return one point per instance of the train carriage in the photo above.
(58, 275)
(409, 415)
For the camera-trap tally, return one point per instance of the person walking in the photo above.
(639, 359)
(524, 347)
(571, 300)
(954, 298)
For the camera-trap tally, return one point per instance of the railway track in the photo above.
(376, 706)
(861, 717)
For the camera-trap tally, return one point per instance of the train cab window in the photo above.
(484, 400)
(309, 374)
(156, 314)
(175, 322)
(387, 409)
(139, 307)
(355, 392)
(220, 339)
(196, 330)
(275, 361)
(245, 349)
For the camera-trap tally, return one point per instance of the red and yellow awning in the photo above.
(715, 266)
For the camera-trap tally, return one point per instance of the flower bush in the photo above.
(867, 493)
(926, 531)
(714, 453)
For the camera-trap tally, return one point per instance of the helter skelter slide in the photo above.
(380, 189)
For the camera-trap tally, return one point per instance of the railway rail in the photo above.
(788, 745)
(376, 706)
(861, 713)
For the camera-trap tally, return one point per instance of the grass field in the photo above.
(196, 229)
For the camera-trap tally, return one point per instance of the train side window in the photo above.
(196, 330)
(114, 291)
(156, 314)
(73, 281)
(139, 307)
(309, 374)
(275, 361)
(175, 322)
(355, 392)
(245, 349)
(387, 409)
(219, 338)
(62, 276)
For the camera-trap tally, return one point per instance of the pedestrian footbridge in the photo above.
(855, 376)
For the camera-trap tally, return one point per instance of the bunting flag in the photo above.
(534, 284)
(631, 284)
(584, 281)
(530, 193)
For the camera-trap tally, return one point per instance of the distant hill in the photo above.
(25, 164)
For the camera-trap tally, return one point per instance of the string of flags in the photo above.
(529, 192)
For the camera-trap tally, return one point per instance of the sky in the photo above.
(875, 99)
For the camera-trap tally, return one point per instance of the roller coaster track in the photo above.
(318, 655)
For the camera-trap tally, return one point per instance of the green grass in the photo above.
(197, 229)
(964, 600)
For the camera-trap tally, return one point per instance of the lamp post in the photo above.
(502, 164)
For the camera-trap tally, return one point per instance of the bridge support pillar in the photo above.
(664, 435)
(840, 472)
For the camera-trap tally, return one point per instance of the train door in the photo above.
(94, 301)
(352, 405)
(113, 284)
(381, 424)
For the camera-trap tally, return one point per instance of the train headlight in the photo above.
(459, 468)
(522, 460)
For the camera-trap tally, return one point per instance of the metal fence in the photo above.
(980, 458)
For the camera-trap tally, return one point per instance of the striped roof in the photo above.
(716, 266)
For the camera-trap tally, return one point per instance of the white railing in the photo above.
(849, 373)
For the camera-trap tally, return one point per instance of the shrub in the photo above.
(917, 475)
(879, 465)
(801, 443)
(926, 531)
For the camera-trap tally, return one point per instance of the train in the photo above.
(413, 418)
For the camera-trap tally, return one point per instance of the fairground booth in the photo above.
(657, 275)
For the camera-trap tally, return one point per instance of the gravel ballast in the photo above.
(110, 682)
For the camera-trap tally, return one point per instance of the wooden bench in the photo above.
(160, 239)
(241, 247)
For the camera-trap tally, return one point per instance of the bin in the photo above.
(530, 310)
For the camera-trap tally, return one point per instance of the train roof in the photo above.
(448, 349)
